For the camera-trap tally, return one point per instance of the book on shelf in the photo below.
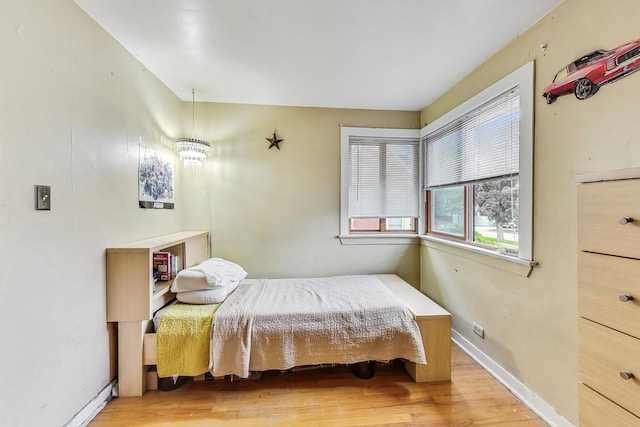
(173, 266)
(162, 264)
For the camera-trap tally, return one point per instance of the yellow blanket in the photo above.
(183, 337)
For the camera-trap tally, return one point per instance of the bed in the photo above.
(285, 323)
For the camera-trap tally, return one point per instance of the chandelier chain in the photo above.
(193, 151)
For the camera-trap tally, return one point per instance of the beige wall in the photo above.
(74, 106)
(277, 213)
(530, 323)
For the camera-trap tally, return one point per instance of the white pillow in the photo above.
(208, 274)
(209, 296)
(189, 280)
(220, 272)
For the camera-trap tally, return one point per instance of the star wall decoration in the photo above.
(274, 141)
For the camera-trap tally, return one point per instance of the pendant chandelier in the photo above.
(193, 152)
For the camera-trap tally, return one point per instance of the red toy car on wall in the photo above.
(585, 75)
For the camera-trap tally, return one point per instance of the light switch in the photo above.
(42, 195)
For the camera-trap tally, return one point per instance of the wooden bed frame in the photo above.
(434, 323)
(137, 344)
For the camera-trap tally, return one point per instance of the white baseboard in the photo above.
(91, 409)
(529, 398)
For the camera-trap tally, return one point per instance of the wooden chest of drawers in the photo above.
(609, 298)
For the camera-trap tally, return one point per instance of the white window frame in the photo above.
(345, 134)
(522, 77)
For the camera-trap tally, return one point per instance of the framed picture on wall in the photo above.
(155, 180)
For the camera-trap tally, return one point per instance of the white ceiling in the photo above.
(370, 54)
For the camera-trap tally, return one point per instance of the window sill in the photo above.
(379, 239)
(481, 255)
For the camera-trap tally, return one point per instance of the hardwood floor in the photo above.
(329, 397)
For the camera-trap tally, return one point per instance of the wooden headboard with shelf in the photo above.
(132, 297)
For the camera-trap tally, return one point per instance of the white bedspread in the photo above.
(283, 323)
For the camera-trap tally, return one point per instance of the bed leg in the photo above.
(152, 379)
(436, 339)
(131, 370)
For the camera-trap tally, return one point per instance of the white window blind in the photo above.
(483, 143)
(384, 177)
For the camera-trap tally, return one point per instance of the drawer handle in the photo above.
(625, 298)
(625, 220)
(626, 375)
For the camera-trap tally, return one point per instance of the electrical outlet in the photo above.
(478, 330)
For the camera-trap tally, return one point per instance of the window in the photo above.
(380, 181)
(448, 207)
(477, 162)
